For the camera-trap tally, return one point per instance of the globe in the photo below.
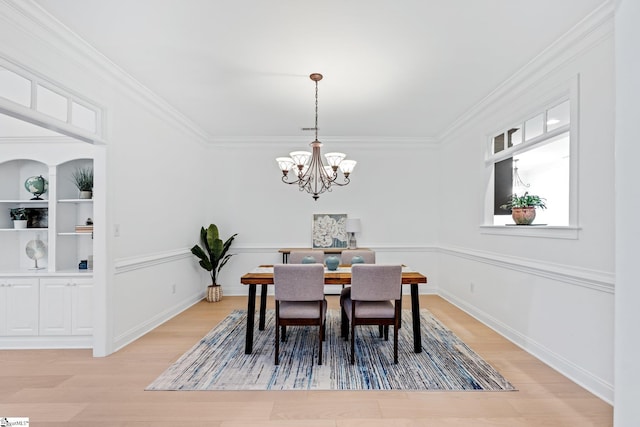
(36, 185)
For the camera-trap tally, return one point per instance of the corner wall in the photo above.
(553, 297)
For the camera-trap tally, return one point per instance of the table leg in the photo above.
(251, 314)
(415, 313)
(263, 306)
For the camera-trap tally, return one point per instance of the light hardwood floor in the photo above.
(71, 388)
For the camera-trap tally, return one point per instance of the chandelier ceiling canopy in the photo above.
(307, 169)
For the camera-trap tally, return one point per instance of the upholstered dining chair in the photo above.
(299, 296)
(347, 255)
(346, 258)
(295, 257)
(375, 299)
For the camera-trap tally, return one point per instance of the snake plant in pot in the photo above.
(213, 256)
(523, 208)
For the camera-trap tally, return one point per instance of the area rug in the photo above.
(218, 361)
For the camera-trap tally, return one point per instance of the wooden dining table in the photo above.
(263, 276)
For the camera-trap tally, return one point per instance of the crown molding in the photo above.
(362, 141)
(591, 31)
(38, 23)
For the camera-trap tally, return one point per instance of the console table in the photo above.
(286, 251)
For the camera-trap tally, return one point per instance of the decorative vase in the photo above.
(308, 260)
(357, 260)
(332, 263)
(86, 194)
(214, 293)
(523, 216)
(19, 223)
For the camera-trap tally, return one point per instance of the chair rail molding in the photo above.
(124, 265)
(597, 280)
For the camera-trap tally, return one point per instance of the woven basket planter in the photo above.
(214, 293)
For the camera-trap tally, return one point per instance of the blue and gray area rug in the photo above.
(218, 361)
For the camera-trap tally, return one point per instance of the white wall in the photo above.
(393, 192)
(149, 180)
(627, 374)
(553, 297)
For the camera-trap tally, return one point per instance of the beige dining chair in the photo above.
(375, 299)
(295, 257)
(347, 255)
(299, 296)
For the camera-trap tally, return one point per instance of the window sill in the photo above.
(546, 231)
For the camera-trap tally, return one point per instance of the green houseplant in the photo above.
(19, 217)
(213, 256)
(83, 178)
(523, 208)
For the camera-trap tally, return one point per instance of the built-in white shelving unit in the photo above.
(50, 306)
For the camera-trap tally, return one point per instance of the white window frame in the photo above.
(570, 92)
(32, 115)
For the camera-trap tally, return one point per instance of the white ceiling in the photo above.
(401, 68)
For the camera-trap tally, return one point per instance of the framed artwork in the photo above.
(37, 217)
(328, 231)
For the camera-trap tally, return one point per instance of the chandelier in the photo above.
(308, 171)
(518, 183)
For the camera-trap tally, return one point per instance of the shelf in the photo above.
(75, 201)
(23, 229)
(73, 233)
(27, 202)
(52, 219)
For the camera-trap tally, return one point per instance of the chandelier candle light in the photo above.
(308, 169)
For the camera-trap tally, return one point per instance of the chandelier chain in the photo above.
(316, 110)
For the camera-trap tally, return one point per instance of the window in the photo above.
(14, 87)
(70, 112)
(533, 156)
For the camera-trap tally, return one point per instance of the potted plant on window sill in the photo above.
(523, 208)
(19, 217)
(213, 256)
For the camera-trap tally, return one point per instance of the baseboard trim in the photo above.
(133, 334)
(575, 373)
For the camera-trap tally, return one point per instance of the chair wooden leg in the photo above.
(380, 331)
(277, 343)
(321, 325)
(353, 343)
(283, 331)
(395, 343)
(344, 323)
(320, 339)
(386, 332)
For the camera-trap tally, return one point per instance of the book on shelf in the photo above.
(84, 228)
